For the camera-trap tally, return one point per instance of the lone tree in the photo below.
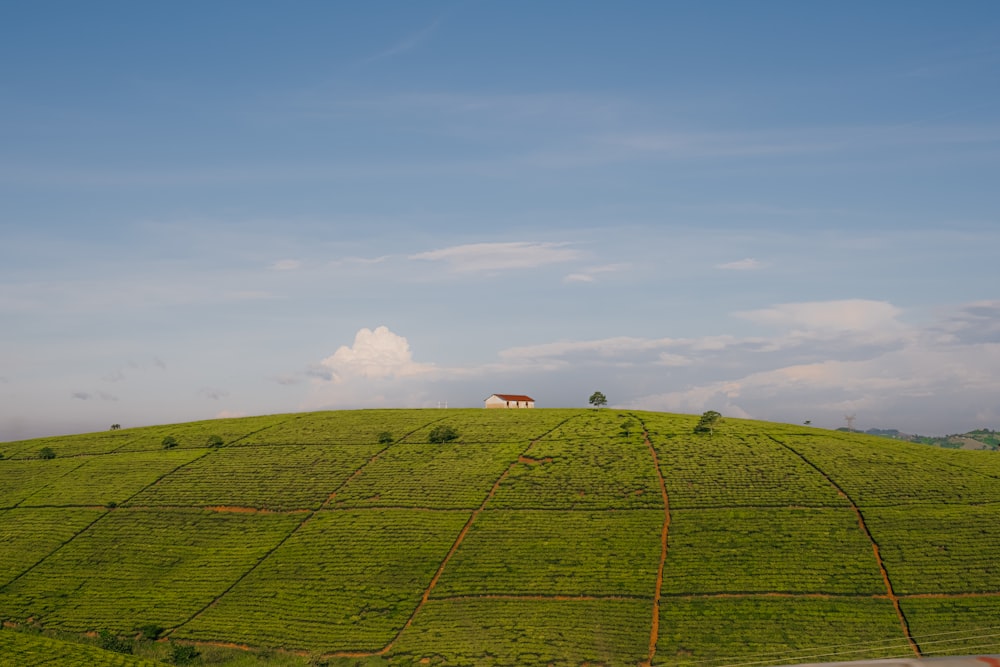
(442, 434)
(215, 441)
(709, 420)
(169, 442)
(627, 427)
(385, 438)
(598, 400)
(46, 453)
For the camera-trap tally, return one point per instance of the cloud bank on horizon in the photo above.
(781, 214)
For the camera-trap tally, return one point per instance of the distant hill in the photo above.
(978, 439)
(533, 537)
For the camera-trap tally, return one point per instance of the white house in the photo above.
(509, 401)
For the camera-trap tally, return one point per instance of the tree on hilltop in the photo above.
(709, 420)
(598, 400)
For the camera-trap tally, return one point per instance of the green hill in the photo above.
(536, 537)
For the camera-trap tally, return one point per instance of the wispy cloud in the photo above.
(748, 264)
(214, 394)
(408, 42)
(591, 274)
(476, 257)
(286, 265)
(86, 396)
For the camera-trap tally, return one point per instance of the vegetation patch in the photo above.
(347, 581)
(745, 550)
(447, 476)
(772, 631)
(938, 549)
(527, 632)
(134, 568)
(275, 477)
(556, 553)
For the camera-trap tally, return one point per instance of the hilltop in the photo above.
(546, 536)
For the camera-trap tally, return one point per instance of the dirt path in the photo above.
(654, 633)
(878, 556)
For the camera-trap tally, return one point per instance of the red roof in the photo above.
(514, 397)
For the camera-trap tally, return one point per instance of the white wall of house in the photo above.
(495, 401)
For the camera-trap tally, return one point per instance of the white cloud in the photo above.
(286, 265)
(860, 315)
(590, 275)
(378, 354)
(229, 414)
(501, 256)
(748, 264)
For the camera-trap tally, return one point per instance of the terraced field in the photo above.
(548, 537)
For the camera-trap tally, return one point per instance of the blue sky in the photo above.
(779, 210)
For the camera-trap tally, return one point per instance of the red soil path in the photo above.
(878, 557)
(654, 632)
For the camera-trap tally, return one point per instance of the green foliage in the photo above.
(215, 441)
(112, 642)
(443, 433)
(598, 400)
(169, 442)
(183, 654)
(709, 420)
(766, 559)
(22, 648)
(385, 438)
(151, 631)
(46, 453)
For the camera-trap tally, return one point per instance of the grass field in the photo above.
(537, 537)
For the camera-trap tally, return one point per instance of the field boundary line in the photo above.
(777, 594)
(451, 552)
(654, 631)
(875, 548)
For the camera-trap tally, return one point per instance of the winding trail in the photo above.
(864, 528)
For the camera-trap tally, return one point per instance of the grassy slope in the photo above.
(536, 538)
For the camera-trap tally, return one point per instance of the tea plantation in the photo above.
(537, 537)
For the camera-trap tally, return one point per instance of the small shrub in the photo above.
(183, 654)
(151, 631)
(111, 505)
(385, 438)
(443, 434)
(46, 453)
(111, 642)
(215, 441)
(169, 442)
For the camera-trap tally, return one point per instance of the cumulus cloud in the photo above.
(875, 319)
(475, 257)
(378, 354)
(748, 264)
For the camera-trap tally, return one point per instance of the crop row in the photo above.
(29, 535)
(18, 649)
(23, 478)
(604, 473)
(348, 580)
(111, 478)
(271, 477)
(477, 425)
(527, 632)
(444, 476)
(954, 626)
(769, 550)
(904, 473)
(526, 552)
(938, 549)
(137, 567)
(772, 631)
(728, 470)
(344, 427)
